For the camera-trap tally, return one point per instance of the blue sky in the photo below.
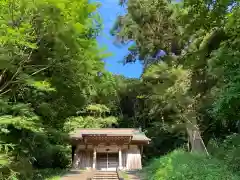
(109, 11)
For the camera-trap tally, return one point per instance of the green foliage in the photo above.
(52, 81)
(49, 174)
(182, 165)
(195, 84)
(94, 117)
(97, 109)
(150, 25)
(224, 65)
(228, 151)
(48, 62)
(88, 122)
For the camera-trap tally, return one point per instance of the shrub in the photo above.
(53, 156)
(180, 165)
(61, 156)
(228, 150)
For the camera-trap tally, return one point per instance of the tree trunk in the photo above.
(196, 141)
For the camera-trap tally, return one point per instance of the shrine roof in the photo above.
(136, 134)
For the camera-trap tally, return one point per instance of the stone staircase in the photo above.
(105, 175)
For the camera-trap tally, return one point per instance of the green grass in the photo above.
(49, 174)
(180, 165)
(124, 175)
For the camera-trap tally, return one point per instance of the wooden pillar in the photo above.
(141, 150)
(73, 153)
(120, 158)
(94, 157)
(76, 157)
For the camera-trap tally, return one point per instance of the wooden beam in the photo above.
(85, 140)
(130, 139)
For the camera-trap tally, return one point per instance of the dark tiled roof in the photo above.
(135, 133)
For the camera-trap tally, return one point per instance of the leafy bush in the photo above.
(61, 156)
(50, 154)
(180, 165)
(228, 150)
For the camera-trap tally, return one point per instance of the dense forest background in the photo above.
(52, 80)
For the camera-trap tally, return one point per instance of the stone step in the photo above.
(105, 175)
(107, 178)
(111, 178)
(103, 178)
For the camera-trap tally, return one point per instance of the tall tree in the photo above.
(48, 62)
(190, 33)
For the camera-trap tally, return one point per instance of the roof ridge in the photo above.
(136, 133)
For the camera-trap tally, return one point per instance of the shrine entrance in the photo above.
(107, 161)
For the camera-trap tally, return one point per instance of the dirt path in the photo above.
(77, 175)
(131, 175)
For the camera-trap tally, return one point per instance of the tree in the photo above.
(191, 34)
(48, 61)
